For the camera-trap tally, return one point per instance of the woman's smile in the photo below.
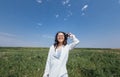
(60, 37)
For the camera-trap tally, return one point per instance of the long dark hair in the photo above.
(56, 41)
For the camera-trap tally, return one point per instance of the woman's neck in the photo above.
(60, 44)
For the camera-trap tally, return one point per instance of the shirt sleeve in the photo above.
(75, 41)
(47, 67)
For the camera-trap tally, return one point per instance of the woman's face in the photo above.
(60, 37)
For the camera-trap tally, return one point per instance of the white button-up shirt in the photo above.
(56, 61)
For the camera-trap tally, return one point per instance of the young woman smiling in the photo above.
(58, 55)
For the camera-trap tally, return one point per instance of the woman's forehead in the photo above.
(60, 34)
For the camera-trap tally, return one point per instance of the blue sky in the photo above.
(34, 23)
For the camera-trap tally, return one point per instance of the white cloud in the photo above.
(57, 15)
(82, 14)
(7, 39)
(69, 5)
(11, 40)
(64, 2)
(39, 24)
(6, 34)
(119, 1)
(65, 19)
(39, 1)
(48, 36)
(70, 13)
(84, 7)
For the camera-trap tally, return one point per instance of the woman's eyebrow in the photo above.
(60, 35)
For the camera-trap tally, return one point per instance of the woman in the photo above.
(58, 55)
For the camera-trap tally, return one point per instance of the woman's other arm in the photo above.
(75, 41)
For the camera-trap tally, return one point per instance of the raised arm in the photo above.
(75, 41)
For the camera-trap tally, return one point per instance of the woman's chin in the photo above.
(60, 41)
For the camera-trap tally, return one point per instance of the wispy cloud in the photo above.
(57, 15)
(69, 5)
(6, 34)
(48, 36)
(82, 14)
(119, 1)
(84, 7)
(8, 39)
(39, 24)
(65, 19)
(39, 1)
(64, 2)
(70, 13)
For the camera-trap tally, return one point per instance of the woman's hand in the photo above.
(71, 35)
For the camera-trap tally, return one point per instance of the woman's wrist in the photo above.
(71, 35)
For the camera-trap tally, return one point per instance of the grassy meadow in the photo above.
(83, 62)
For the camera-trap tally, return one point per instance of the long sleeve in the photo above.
(75, 41)
(47, 67)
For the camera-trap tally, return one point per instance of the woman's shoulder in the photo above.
(52, 46)
(66, 46)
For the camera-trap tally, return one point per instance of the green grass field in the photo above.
(83, 62)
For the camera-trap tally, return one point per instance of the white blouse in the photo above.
(56, 60)
(57, 53)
